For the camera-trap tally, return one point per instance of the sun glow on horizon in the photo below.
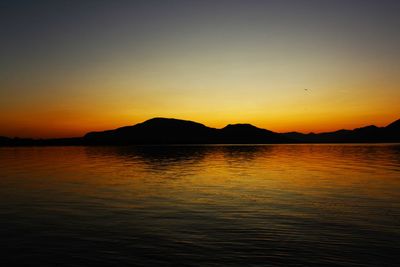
(81, 69)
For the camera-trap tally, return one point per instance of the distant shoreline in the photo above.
(194, 145)
(166, 131)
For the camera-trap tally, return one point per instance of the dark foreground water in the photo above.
(272, 205)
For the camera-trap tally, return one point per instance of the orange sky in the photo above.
(80, 68)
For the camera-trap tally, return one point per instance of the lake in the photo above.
(217, 205)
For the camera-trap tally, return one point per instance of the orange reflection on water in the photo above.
(306, 168)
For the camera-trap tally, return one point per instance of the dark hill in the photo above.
(392, 132)
(173, 131)
(367, 134)
(155, 131)
(247, 133)
(394, 126)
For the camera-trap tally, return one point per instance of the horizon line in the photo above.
(187, 120)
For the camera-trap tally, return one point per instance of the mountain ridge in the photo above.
(160, 130)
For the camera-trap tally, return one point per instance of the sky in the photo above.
(70, 67)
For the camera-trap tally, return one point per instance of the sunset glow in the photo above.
(73, 68)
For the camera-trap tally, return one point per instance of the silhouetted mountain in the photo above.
(247, 133)
(155, 131)
(392, 132)
(174, 131)
(394, 126)
(368, 134)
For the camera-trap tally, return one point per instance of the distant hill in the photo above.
(247, 133)
(155, 131)
(175, 131)
(368, 134)
(394, 126)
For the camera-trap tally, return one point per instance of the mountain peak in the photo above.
(169, 122)
(241, 125)
(394, 125)
(163, 119)
(161, 130)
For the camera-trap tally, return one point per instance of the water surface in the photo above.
(266, 205)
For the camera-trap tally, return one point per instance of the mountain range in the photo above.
(175, 131)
